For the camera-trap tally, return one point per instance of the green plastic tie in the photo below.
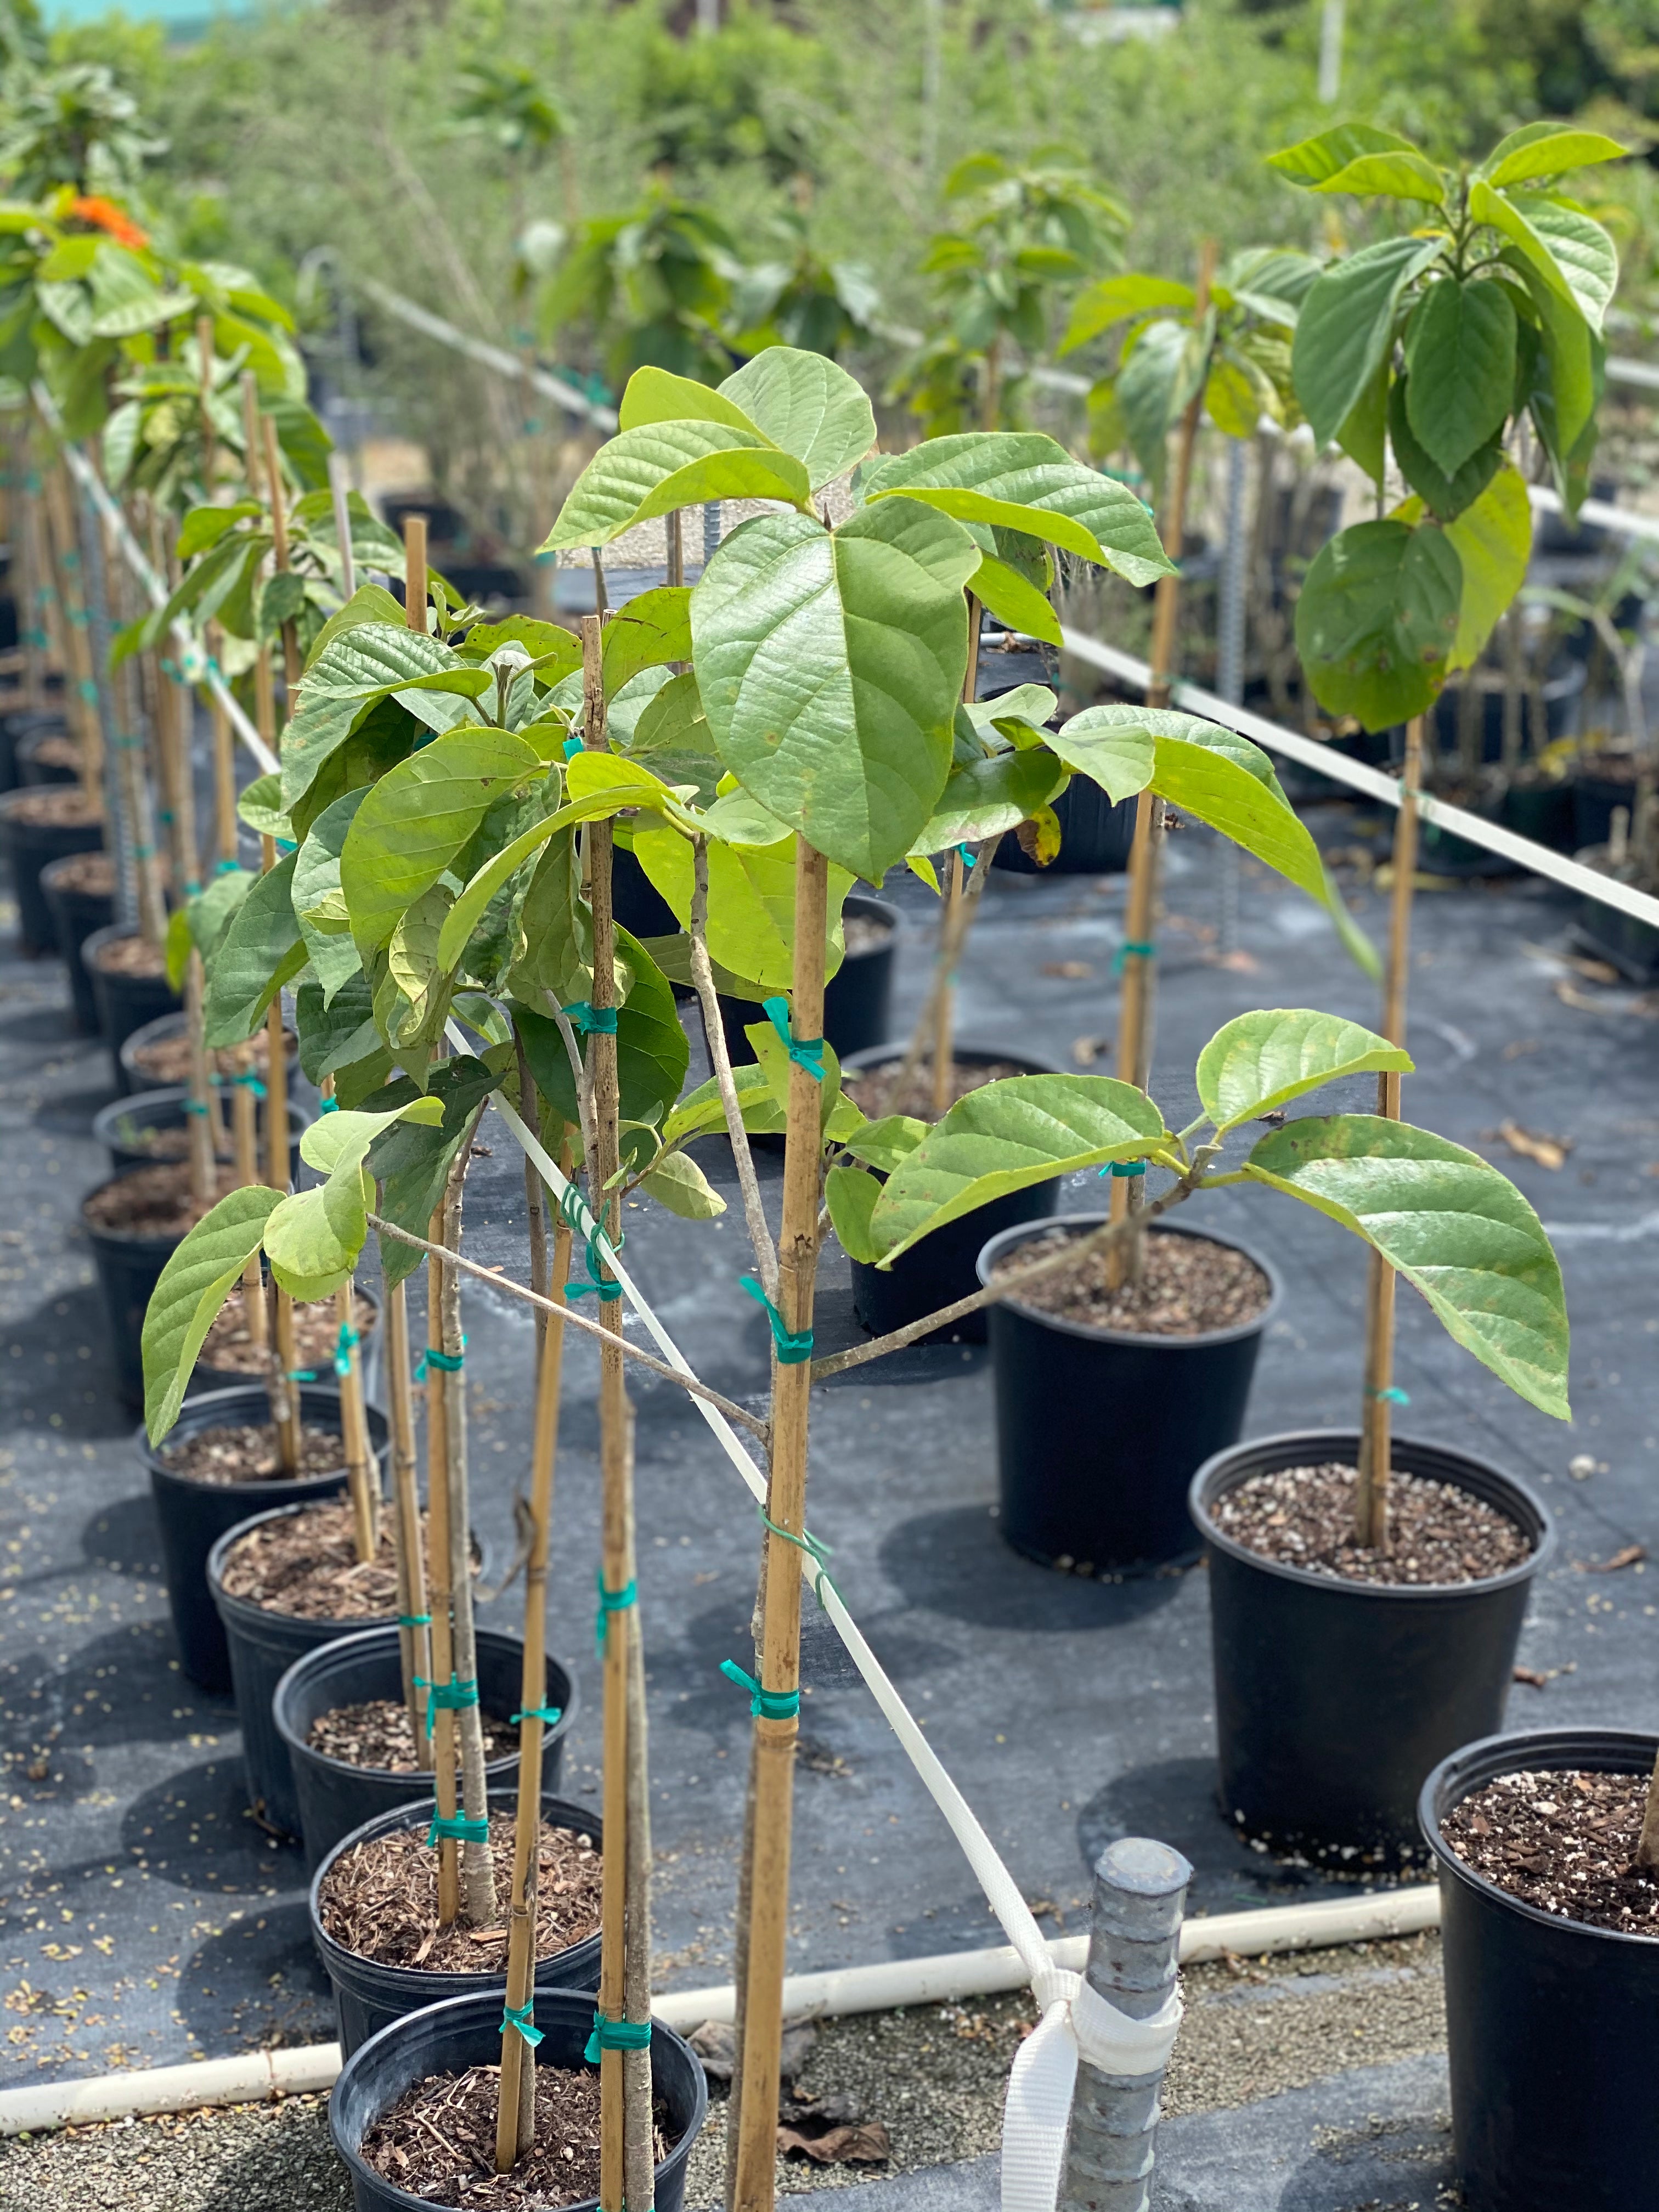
(549, 1715)
(967, 858)
(247, 1082)
(447, 1363)
(1133, 948)
(228, 868)
(815, 1548)
(330, 1106)
(591, 1020)
(524, 2020)
(88, 691)
(572, 746)
(792, 1345)
(456, 1830)
(597, 1285)
(611, 1601)
(345, 1345)
(764, 1704)
(616, 2035)
(302, 1375)
(1394, 1395)
(415, 1621)
(806, 1052)
(453, 1696)
(1124, 1168)
(194, 1106)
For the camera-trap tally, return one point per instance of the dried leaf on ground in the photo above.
(1533, 1145)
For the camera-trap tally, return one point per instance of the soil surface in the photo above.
(92, 875)
(231, 1347)
(879, 1090)
(439, 2140)
(247, 1453)
(1189, 1286)
(152, 1201)
(59, 751)
(167, 1060)
(1437, 1533)
(381, 1900)
(129, 955)
(55, 806)
(862, 932)
(378, 1732)
(306, 1565)
(1565, 1842)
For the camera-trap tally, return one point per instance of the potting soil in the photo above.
(145, 1916)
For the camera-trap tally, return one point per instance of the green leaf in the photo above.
(1314, 160)
(672, 738)
(337, 1145)
(773, 1056)
(751, 901)
(657, 395)
(662, 465)
(369, 603)
(1099, 306)
(851, 1194)
(1377, 620)
(1114, 746)
(1547, 149)
(339, 1033)
(886, 1143)
(1347, 325)
(808, 405)
(411, 989)
(1261, 1061)
(651, 1051)
(649, 631)
(611, 782)
(1493, 540)
(411, 1161)
(1570, 250)
(195, 1283)
(1154, 385)
(1563, 405)
(1015, 602)
(829, 667)
(987, 798)
(209, 913)
(260, 951)
(1446, 1220)
(205, 525)
(555, 652)
(180, 944)
(1363, 434)
(1208, 772)
(359, 667)
(319, 903)
(1021, 480)
(700, 1114)
(680, 1184)
(1005, 1137)
(307, 1255)
(554, 925)
(1446, 496)
(1395, 175)
(1459, 361)
(259, 805)
(414, 822)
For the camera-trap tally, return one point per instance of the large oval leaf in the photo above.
(1005, 1137)
(1266, 1058)
(987, 798)
(359, 667)
(260, 951)
(829, 667)
(1377, 620)
(652, 1050)
(650, 631)
(1460, 359)
(1570, 250)
(751, 901)
(192, 1286)
(1454, 1227)
(1023, 481)
(661, 465)
(1493, 540)
(1346, 325)
(320, 904)
(809, 406)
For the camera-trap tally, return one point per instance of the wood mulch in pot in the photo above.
(306, 1564)
(92, 875)
(241, 1451)
(880, 1091)
(864, 933)
(152, 1201)
(1564, 1841)
(56, 751)
(166, 1060)
(378, 1732)
(380, 1899)
(129, 955)
(1303, 1516)
(439, 2142)
(1189, 1286)
(53, 806)
(231, 1349)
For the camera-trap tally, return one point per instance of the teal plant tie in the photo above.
(330, 1106)
(1124, 1168)
(523, 2018)
(611, 1601)
(447, 1363)
(88, 691)
(793, 1344)
(591, 1021)
(815, 1550)
(228, 868)
(549, 1715)
(967, 858)
(345, 1345)
(195, 1106)
(247, 1082)
(1133, 949)
(192, 889)
(764, 1704)
(302, 1375)
(806, 1052)
(283, 847)
(1393, 1395)
(415, 1621)
(453, 1696)
(597, 1285)
(572, 746)
(616, 2035)
(457, 1830)
(143, 852)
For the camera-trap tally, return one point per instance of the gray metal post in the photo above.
(1140, 1888)
(1230, 667)
(711, 530)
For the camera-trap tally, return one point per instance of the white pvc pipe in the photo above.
(887, 1986)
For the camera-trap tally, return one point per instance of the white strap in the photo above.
(1077, 2022)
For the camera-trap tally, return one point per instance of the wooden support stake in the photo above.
(415, 1641)
(439, 1577)
(276, 1176)
(204, 391)
(1371, 1492)
(292, 669)
(415, 586)
(78, 673)
(774, 1740)
(478, 1869)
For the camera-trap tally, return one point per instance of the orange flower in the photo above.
(104, 215)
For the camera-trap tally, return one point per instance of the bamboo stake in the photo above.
(204, 389)
(515, 2124)
(88, 722)
(291, 667)
(774, 1738)
(31, 570)
(277, 1174)
(415, 1632)
(225, 832)
(1137, 996)
(477, 1872)
(945, 992)
(1371, 1492)
(354, 1428)
(414, 611)
(639, 2150)
(440, 1577)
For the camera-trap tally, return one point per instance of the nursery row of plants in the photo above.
(496, 856)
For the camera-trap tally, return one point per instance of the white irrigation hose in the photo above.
(490, 356)
(889, 1985)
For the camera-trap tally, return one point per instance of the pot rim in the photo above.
(1511, 1745)
(167, 1095)
(56, 891)
(1022, 1231)
(11, 805)
(226, 1600)
(884, 911)
(1300, 1442)
(127, 1240)
(967, 1049)
(411, 1815)
(361, 2172)
(309, 1394)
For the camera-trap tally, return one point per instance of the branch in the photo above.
(1009, 1285)
(568, 1315)
(703, 976)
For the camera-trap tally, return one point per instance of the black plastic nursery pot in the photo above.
(127, 1127)
(1099, 1431)
(48, 756)
(193, 1515)
(264, 1646)
(1601, 784)
(15, 729)
(133, 1074)
(30, 846)
(1561, 692)
(941, 1268)
(334, 1797)
(467, 2032)
(1095, 836)
(857, 999)
(639, 907)
(208, 1377)
(1630, 945)
(129, 1267)
(370, 1996)
(1334, 1698)
(75, 914)
(125, 1002)
(1550, 2024)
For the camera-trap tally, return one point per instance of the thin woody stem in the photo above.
(703, 976)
